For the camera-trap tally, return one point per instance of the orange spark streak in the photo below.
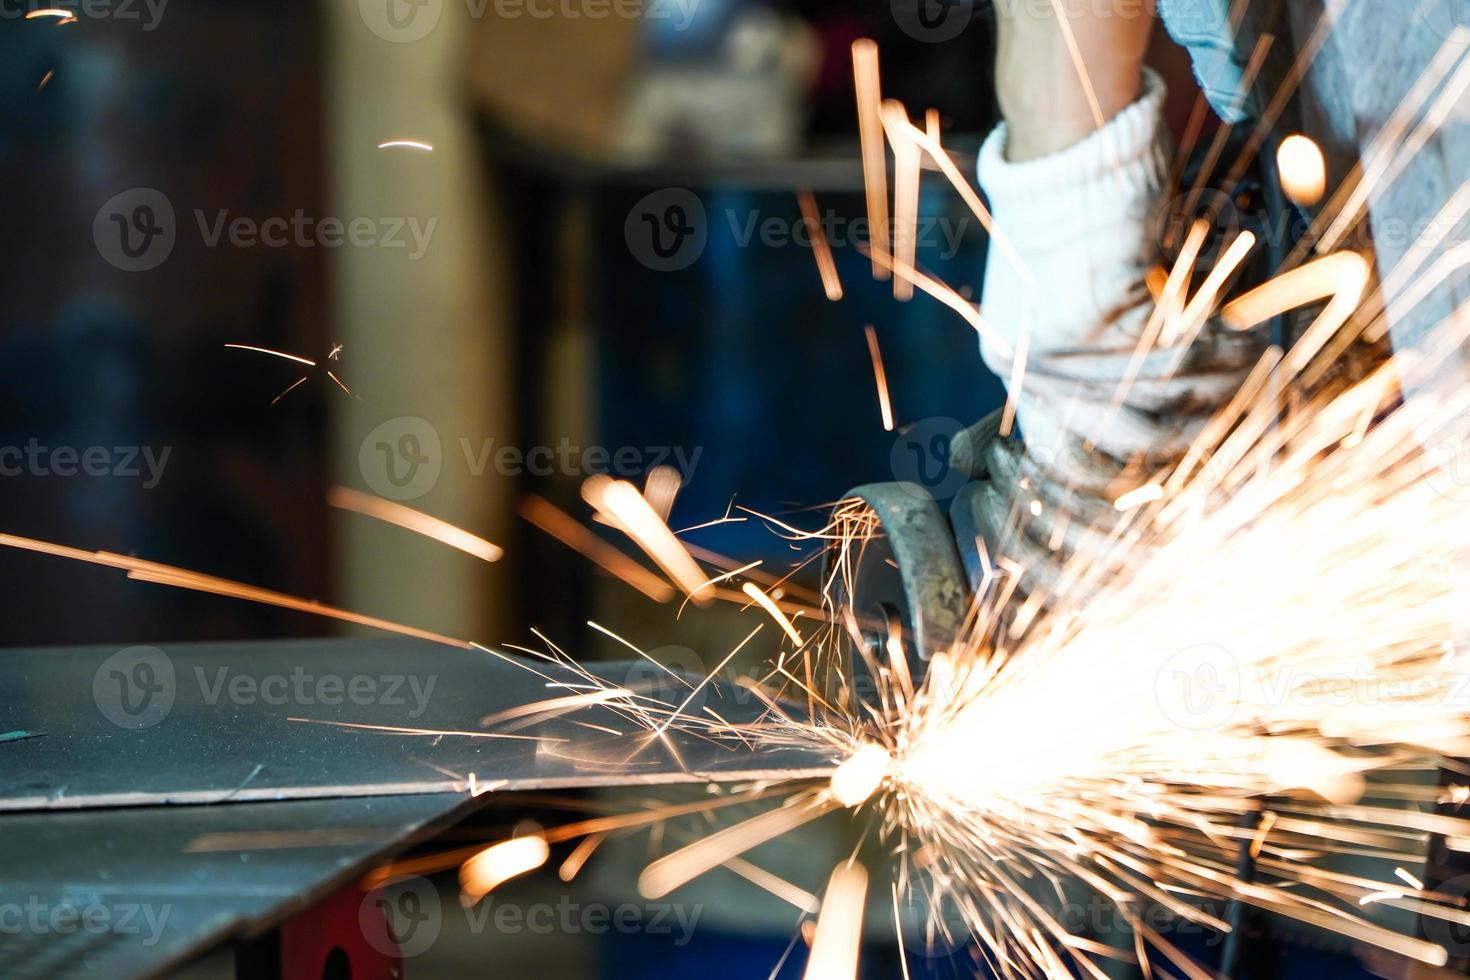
(1203, 302)
(946, 295)
(274, 353)
(905, 193)
(687, 863)
(436, 732)
(711, 676)
(619, 502)
(870, 135)
(1138, 496)
(501, 862)
(826, 267)
(160, 574)
(64, 16)
(834, 953)
(291, 388)
(660, 488)
(407, 145)
(1303, 171)
(766, 603)
(555, 706)
(579, 856)
(1081, 66)
(880, 377)
(565, 529)
(417, 521)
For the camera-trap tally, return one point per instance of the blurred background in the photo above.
(582, 251)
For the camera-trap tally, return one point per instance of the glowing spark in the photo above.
(859, 777)
(660, 488)
(839, 934)
(160, 574)
(1303, 171)
(765, 602)
(905, 193)
(499, 863)
(687, 863)
(826, 266)
(1412, 882)
(407, 145)
(63, 16)
(289, 388)
(870, 135)
(274, 353)
(339, 382)
(1065, 24)
(573, 864)
(1202, 304)
(416, 521)
(1138, 496)
(880, 377)
(1380, 897)
(620, 503)
(46, 80)
(565, 529)
(950, 298)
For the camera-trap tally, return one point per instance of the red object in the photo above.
(330, 941)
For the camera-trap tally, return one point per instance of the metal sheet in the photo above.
(117, 893)
(207, 723)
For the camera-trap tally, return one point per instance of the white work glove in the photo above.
(1083, 224)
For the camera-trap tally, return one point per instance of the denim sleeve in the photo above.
(1220, 51)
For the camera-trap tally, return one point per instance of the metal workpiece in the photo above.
(235, 722)
(139, 891)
